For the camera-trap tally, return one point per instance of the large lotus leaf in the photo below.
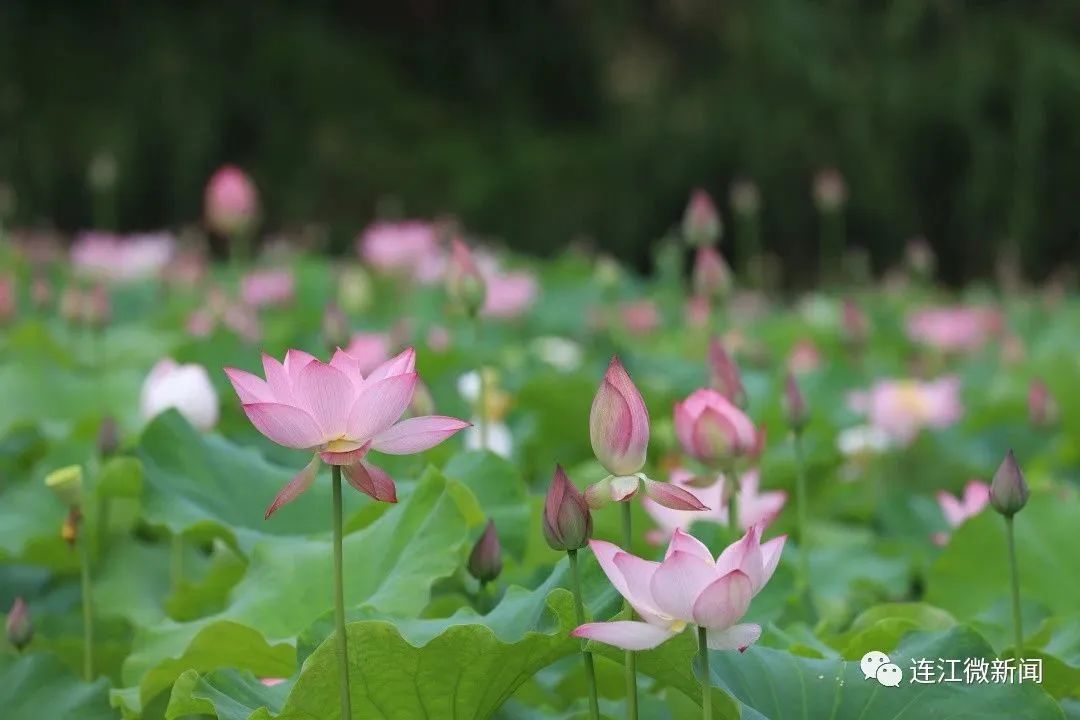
(972, 574)
(390, 566)
(38, 686)
(500, 490)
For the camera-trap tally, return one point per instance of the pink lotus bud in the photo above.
(1008, 491)
(485, 560)
(335, 326)
(795, 408)
(464, 282)
(712, 276)
(108, 439)
(804, 357)
(701, 222)
(745, 197)
(20, 627)
(724, 373)
(231, 202)
(855, 324)
(641, 317)
(697, 312)
(830, 190)
(619, 423)
(672, 496)
(567, 521)
(711, 429)
(1042, 409)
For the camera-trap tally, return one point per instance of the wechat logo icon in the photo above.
(875, 664)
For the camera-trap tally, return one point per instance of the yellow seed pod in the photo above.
(67, 483)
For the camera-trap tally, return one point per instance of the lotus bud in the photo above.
(354, 290)
(231, 202)
(619, 423)
(335, 326)
(701, 224)
(464, 282)
(41, 292)
(712, 276)
(855, 324)
(1008, 491)
(1042, 409)
(745, 197)
(567, 521)
(108, 439)
(67, 483)
(19, 626)
(485, 560)
(712, 430)
(795, 408)
(725, 376)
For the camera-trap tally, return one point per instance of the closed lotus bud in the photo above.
(712, 430)
(830, 190)
(464, 282)
(108, 439)
(701, 222)
(567, 521)
(1041, 406)
(1008, 491)
(712, 276)
(745, 197)
(485, 560)
(19, 626)
(335, 327)
(795, 408)
(231, 202)
(724, 374)
(619, 423)
(67, 483)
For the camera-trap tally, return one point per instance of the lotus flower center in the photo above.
(677, 626)
(341, 445)
(911, 399)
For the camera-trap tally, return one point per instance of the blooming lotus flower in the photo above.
(701, 222)
(185, 387)
(231, 202)
(975, 498)
(104, 256)
(754, 507)
(954, 329)
(264, 288)
(901, 408)
(499, 439)
(340, 414)
(399, 247)
(687, 588)
(711, 429)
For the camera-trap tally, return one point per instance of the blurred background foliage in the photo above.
(544, 122)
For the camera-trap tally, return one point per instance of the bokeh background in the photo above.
(542, 123)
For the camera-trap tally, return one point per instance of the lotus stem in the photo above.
(339, 601)
(801, 509)
(630, 660)
(590, 671)
(1014, 572)
(87, 609)
(706, 686)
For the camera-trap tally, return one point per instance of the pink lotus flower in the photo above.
(110, 257)
(754, 507)
(687, 588)
(231, 202)
(901, 408)
(701, 222)
(335, 411)
(724, 375)
(804, 358)
(641, 317)
(954, 329)
(619, 423)
(265, 288)
(855, 323)
(697, 312)
(402, 247)
(711, 429)
(711, 276)
(975, 498)
(509, 294)
(1042, 408)
(370, 350)
(219, 308)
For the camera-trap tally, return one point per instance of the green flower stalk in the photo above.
(339, 600)
(67, 484)
(797, 413)
(706, 686)
(1008, 495)
(568, 527)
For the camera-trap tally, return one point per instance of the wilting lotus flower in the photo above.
(975, 498)
(954, 329)
(184, 387)
(335, 411)
(231, 202)
(641, 317)
(724, 375)
(901, 408)
(110, 257)
(701, 223)
(754, 507)
(399, 247)
(711, 276)
(264, 288)
(687, 588)
(712, 430)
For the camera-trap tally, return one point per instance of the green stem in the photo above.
(630, 660)
(482, 400)
(732, 479)
(590, 671)
(339, 602)
(176, 560)
(102, 523)
(800, 502)
(706, 685)
(87, 609)
(1014, 571)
